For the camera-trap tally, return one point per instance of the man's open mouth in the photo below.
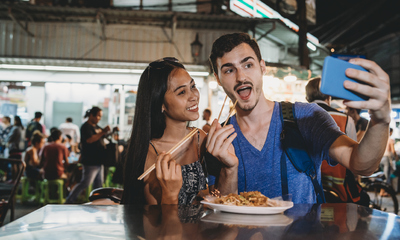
(244, 92)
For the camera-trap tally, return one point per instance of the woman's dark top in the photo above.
(193, 178)
(92, 153)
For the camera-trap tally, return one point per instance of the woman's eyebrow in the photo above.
(183, 85)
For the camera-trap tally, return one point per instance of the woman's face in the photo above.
(40, 144)
(96, 118)
(182, 97)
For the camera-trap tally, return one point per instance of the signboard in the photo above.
(257, 9)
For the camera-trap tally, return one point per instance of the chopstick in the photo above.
(171, 151)
(230, 112)
(222, 108)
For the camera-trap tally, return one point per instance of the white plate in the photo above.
(247, 220)
(249, 210)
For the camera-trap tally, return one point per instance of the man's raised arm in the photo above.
(363, 158)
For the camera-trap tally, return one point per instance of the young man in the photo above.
(33, 126)
(249, 148)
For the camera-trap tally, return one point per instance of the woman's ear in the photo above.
(162, 108)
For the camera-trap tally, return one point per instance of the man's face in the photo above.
(206, 115)
(241, 75)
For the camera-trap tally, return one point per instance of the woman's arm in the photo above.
(97, 136)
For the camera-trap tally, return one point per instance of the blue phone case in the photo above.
(333, 76)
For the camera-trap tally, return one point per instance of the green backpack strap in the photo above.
(294, 147)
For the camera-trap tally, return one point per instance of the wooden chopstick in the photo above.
(171, 151)
(230, 112)
(222, 108)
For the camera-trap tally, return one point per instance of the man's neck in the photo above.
(259, 115)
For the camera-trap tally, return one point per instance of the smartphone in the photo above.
(333, 76)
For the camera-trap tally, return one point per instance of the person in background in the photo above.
(387, 164)
(92, 153)
(167, 99)
(4, 131)
(55, 157)
(32, 159)
(361, 123)
(14, 138)
(33, 126)
(207, 117)
(67, 141)
(337, 178)
(249, 150)
(68, 128)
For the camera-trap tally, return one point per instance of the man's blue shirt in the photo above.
(260, 170)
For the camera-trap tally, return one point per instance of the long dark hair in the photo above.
(93, 111)
(17, 122)
(148, 123)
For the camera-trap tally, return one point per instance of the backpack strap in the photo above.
(295, 149)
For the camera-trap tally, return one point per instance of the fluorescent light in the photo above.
(290, 78)
(212, 85)
(61, 68)
(26, 84)
(85, 69)
(109, 70)
(27, 67)
(311, 46)
(199, 74)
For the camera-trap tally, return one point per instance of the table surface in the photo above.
(303, 221)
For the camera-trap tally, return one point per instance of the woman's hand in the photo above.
(169, 175)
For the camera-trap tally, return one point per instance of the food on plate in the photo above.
(253, 198)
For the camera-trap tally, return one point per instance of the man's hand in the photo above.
(219, 144)
(377, 88)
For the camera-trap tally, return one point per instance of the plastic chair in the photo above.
(10, 191)
(25, 196)
(48, 185)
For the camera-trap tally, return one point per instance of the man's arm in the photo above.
(363, 158)
(219, 144)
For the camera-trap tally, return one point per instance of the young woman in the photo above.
(167, 99)
(32, 156)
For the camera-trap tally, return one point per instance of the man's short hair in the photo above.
(226, 43)
(38, 114)
(312, 90)
(55, 134)
(207, 110)
(69, 119)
